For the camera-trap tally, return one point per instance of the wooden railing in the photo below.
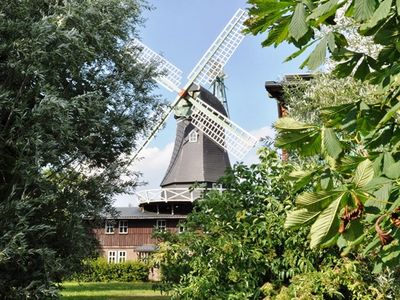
(171, 195)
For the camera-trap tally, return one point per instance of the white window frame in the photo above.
(112, 257)
(143, 256)
(109, 227)
(161, 225)
(116, 256)
(121, 256)
(181, 228)
(123, 227)
(193, 136)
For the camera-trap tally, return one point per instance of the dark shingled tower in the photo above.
(196, 158)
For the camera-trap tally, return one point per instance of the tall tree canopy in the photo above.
(72, 103)
(353, 197)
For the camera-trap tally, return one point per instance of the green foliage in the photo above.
(356, 142)
(72, 104)
(355, 180)
(363, 195)
(308, 22)
(347, 279)
(306, 98)
(99, 270)
(235, 241)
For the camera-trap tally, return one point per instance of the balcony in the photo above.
(171, 195)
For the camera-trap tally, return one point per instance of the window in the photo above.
(143, 256)
(112, 257)
(193, 136)
(123, 227)
(109, 227)
(116, 257)
(121, 256)
(181, 228)
(161, 225)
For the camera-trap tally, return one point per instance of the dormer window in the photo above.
(193, 136)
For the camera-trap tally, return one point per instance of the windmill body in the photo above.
(204, 134)
(196, 158)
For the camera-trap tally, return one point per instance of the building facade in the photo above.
(129, 235)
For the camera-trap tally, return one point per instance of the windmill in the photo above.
(205, 134)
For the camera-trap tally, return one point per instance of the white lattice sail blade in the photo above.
(171, 75)
(215, 58)
(221, 130)
(157, 128)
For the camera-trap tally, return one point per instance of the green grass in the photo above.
(110, 291)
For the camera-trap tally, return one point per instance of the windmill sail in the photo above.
(170, 75)
(215, 125)
(220, 129)
(213, 61)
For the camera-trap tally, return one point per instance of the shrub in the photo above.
(100, 271)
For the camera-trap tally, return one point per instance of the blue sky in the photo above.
(182, 30)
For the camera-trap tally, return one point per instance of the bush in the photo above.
(100, 270)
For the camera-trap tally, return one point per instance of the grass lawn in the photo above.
(110, 291)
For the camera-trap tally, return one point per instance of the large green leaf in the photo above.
(317, 57)
(364, 173)
(331, 144)
(299, 217)
(291, 124)
(393, 171)
(389, 114)
(391, 168)
(398, 6)
(381, 196)
(277, 34)
(307, 143)
(298, 26)
(381, 13)
(314, 201)
(299, 52)
(322, 9)
(297, 135)
(301, 178)
(267, 6)
(327, 222)
(363, 9)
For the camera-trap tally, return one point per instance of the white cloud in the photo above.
(266, 131)
(263, 132)
(153, 165)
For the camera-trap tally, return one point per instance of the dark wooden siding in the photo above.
(139, 233)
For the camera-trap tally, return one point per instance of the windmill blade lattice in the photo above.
(220, 129)
(171, 75)
(213, 61)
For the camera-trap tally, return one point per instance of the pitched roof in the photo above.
(127, 213)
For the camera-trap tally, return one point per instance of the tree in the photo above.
(305, 98)
(234, 241)
(73, 101)
(235, 246)
(306, 23)
(354, 191)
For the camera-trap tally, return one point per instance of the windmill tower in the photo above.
(205, 134)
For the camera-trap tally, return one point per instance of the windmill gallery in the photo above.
(204, 137)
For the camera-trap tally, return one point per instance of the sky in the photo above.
(182, 31)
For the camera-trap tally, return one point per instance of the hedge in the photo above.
(99, 270)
